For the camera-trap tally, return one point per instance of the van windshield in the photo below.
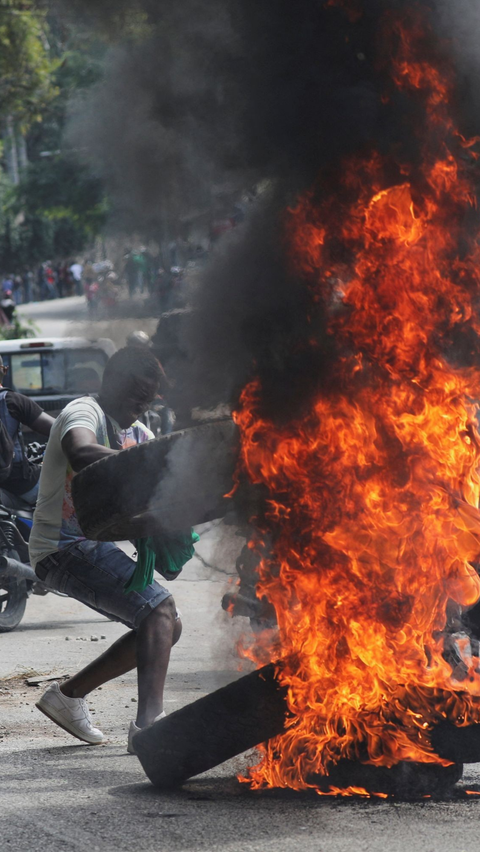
(70, 371)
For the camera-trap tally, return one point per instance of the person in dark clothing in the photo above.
(7, 306)
(17, 409)
(28, 284)
(40, 282)
(62, 279)
(130, 272)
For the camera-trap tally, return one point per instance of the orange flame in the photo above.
(373, 495)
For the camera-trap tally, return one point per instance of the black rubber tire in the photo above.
(13, 600)
(457, 743)
(213, 729)
(405, 781)
(171, 483)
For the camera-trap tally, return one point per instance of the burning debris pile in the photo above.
(369, 529)
(371, 511)
(344, 317)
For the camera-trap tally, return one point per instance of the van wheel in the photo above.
(171, 483)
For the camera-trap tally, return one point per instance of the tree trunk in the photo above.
(11, 151)
(22, 151)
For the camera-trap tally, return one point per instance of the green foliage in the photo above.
(65, 208)
(31, 239)
(114, 19)
(59, 188)
(79, 67)
(26, 85)
(58, 208)
(17, 329)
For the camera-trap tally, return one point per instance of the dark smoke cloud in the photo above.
(151, 129)
(252, 308)
(243, 90)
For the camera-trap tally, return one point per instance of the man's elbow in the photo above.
(43, 424)
(79, 458)
(84, 454)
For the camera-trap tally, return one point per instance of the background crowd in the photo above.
(48, 281)
(138, 274)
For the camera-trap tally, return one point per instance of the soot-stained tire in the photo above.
(171, 483)
(213, 729)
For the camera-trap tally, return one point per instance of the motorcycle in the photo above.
(17, 578)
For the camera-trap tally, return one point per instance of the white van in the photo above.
(54, 370)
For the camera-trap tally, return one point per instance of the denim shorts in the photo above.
(94, 573)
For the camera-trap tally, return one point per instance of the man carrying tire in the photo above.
(96, 573)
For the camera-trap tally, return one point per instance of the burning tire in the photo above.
(252, 710)
(171, 483)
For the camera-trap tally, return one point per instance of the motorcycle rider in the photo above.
(16, 410)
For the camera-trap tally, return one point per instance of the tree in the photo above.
(25, 61)
(25, 76)
(64, 209)
(50, 207)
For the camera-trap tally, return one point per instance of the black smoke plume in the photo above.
(246, 91)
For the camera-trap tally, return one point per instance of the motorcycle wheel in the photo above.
(13, 600)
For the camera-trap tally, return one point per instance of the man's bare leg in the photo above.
(154, 643)
(115, 661)
(148, 649)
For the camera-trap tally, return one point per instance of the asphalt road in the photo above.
(58, 794)
(54, 317)
(69, 317)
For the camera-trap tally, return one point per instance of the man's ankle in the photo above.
(146, 721)
(69, 691)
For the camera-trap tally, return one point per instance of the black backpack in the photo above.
(7, 447)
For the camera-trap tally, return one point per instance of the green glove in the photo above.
(167, 554)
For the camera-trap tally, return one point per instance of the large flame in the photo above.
(372, 509)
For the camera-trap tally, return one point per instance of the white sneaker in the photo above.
(134, 729)
(72, 714)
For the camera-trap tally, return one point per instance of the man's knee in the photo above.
(164, 612)
(177, 629)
